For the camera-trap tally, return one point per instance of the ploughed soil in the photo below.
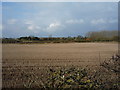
(24, 62)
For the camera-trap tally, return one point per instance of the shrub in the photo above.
(69, 78)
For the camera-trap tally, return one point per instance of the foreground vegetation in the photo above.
(104, 77)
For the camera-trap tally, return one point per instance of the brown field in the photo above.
(19, 60)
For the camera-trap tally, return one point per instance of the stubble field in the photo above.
(19, 61)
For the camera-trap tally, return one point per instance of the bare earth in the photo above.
(57, 54)
(17, 58)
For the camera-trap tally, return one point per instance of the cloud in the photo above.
(103, 21)
(46, 18)
(31, 26)
(34, 28)
(52, 27)
(74, 21)
(1, 27)
(12, 21)
(113, 21)
(28, 22)
(98, 21)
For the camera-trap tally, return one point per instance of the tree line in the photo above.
(93, 36)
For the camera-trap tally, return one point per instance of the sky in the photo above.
(60, 0)
(59, 19)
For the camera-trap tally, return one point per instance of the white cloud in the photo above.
(113, 21)
(33, 27)
(28, 22)
(54, 26)
(1, 27)
(103, 21)
(98, 21)
(75, 21)
(12, 21)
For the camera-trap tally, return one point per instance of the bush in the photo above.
(69, 78)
